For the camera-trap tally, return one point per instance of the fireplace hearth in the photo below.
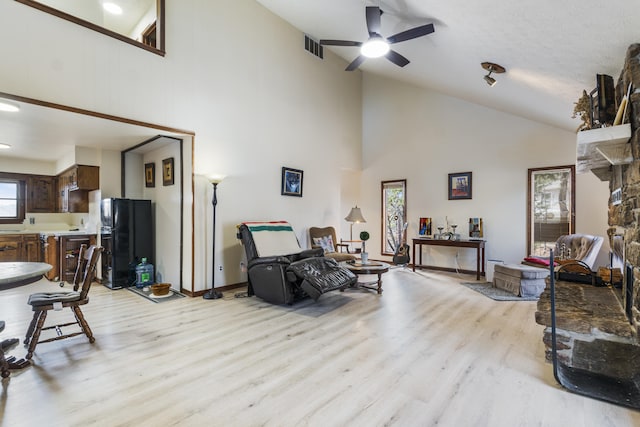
(596, 350)
(596, 328)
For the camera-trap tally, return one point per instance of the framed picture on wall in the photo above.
(149, 175)
(425, 227)
(167, 171)
(291, 182)
(460, 186)
(475, 228)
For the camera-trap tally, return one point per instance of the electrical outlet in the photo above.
(220, 267)
(32, 220)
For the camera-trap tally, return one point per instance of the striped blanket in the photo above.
(273, 238)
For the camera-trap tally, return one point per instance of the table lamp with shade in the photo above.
(354, 217)
(212, 293)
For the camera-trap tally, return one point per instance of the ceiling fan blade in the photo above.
(356, 63)
(339, 43)
(411, 34)
(396, 58)
(373, 19)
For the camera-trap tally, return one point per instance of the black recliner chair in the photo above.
(280, 272)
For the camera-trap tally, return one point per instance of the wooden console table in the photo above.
(477, 244)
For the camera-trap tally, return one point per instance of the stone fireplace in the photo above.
(598, 327)
(624, 208)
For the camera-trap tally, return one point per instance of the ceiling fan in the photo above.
(377, 45)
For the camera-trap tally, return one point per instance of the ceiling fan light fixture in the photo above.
(492, 68)
(375, 47)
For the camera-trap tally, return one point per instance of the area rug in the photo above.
(172, 295)
(497, 294)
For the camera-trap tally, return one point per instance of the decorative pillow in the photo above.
(325, 242)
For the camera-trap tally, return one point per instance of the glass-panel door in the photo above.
(551, 207)
(394, 215)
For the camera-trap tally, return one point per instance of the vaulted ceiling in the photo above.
(552, 50)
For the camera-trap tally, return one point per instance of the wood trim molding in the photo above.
(96, 114)
(192, 293)
(90, 25)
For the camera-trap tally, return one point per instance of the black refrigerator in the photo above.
(127, 237)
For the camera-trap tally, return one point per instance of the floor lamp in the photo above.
(212, 293)
(354, 217)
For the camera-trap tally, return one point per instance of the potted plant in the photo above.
(364, 236)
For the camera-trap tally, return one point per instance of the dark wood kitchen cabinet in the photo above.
(62, 253)
(10, 248)
(81, 177)
(68, 255)
(31, 248)
(20, 247)
(41, 194)
(73, 188)
(50, 255)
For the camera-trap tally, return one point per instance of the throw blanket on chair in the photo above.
(273, 238)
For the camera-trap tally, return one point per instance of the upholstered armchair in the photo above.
(280, 272)
(579, 247)
(325, 238)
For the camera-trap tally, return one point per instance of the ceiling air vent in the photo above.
(313, 47)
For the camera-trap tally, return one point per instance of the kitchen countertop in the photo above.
(65, 233)
(45, 233)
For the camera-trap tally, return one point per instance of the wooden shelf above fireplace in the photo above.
(597, 149)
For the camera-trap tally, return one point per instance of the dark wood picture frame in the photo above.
(150, 174)
(167, 171)
(291, 184)
(460, 186)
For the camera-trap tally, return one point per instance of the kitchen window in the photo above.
(11, 201)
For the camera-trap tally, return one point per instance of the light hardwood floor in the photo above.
(427, 352)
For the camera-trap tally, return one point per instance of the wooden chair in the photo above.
(42, 302)
(9, 362)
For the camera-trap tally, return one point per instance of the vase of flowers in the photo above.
(364, 256)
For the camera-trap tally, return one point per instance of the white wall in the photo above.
(423, 135)
(110, 174)
(236, 75)
(13, 165)
(166, 206)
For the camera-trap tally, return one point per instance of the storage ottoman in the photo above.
(520, 280)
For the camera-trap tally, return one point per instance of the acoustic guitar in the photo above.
(401, 257)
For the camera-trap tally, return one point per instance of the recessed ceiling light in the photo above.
(112, 8)
(5, 106)
(4, 146)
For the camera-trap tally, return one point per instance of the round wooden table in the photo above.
(372, 267)
(14, 274)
